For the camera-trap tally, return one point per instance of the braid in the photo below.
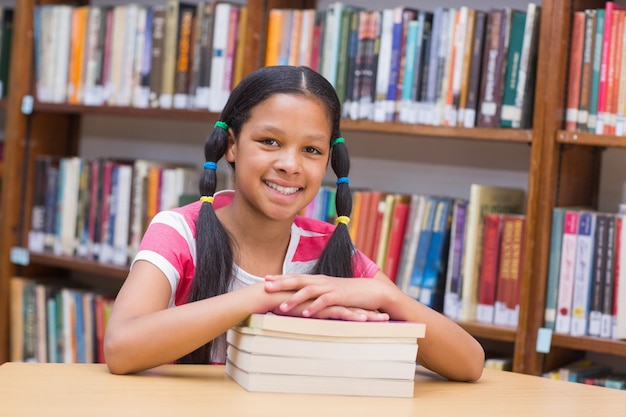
(214, 253)
(336, 259)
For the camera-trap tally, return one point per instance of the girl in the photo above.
(204, 267)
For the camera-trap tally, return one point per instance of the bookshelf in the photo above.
(563, 169)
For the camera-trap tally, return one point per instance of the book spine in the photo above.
(494, 66)
(585, 78)
(566, 277)
(489, 267)
(598, 271)
(575, 66)
(433, 282)
(556, 239)
(509, 112)
(470, 111)
(452, 295)
(583, 273)
(595, 71)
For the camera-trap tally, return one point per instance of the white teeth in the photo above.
(282, 190)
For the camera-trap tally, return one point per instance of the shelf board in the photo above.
(586, 138)
(490, 331)
(591, 344)
(77, 264)
(477, 133)
(199, 115)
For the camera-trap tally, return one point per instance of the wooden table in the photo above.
(29, 389)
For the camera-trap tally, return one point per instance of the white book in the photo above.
(277, 343)
(383, 71)
(61, 55)
(125, 89)
(566, 274)
(116, 61)
(307, 384)
(253, 362)
(411, 240)
(68, 206)
(122, 214)
(94, 20)
(218, 62)
(139, 96)
(583, 273)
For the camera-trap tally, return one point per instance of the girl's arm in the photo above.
(447, 348)
(143, 332)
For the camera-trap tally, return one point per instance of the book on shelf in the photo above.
(489, 268)
(433, 282)
(577, 45)
(452, 291)
(56, 320)
(506, 311)
(483, 199)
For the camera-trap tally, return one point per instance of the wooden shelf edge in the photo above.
(77, 264)
(477, 133)
(199, 115)
(591, 344)
(590, 139)
(490, 331)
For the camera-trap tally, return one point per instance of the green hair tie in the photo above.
(221, 125)
(338, 140)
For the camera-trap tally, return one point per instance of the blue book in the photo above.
(79, 326)
(423, 246)
(434, 278)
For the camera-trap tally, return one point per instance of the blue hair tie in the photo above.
(210, 165)
(343, 180)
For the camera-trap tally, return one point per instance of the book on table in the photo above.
(271, 353)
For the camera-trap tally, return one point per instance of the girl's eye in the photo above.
(312, 150)
(270, 142)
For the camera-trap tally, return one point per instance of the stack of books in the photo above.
(272, 353)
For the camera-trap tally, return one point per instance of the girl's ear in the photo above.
(231, 150)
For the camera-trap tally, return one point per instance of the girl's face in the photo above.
(281, 155)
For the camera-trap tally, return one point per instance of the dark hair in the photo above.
(214, 247)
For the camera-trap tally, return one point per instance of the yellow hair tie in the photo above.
(343, 219)
(206, 199)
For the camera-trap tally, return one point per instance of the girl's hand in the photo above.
(321, 295)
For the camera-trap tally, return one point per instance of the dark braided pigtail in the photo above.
(214, 252)
(336, 259)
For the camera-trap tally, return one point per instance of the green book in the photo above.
(510, 112)
(595, 72)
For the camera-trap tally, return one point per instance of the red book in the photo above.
(371, 230)
(605, 64)
(575, 71)
(396, 236)
(489, 268)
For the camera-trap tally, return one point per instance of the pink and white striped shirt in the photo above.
(170, 244)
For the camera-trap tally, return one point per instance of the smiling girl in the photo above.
(204, 267)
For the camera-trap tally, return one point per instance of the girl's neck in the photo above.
(260, 243)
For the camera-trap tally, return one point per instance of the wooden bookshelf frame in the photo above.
(561, 164)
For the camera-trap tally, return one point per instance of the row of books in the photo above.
(445, 252)
(6, 32)
(99, 209)
(51, 322)
(586, 371)
(586, 288)
(174, 55)
(271, 353)
(596, 94)
(451, 66)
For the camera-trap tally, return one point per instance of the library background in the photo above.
(487, 144)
